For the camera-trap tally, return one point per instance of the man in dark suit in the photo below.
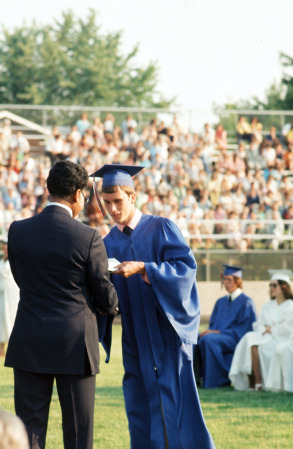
(61, 267)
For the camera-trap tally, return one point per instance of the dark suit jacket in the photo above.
(61, 268)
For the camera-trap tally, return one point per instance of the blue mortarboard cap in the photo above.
(231, 270)
(117, 174)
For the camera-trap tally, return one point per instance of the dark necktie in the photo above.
(127, 230)
(230, 298)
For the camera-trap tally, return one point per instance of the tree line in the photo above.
(72, 63)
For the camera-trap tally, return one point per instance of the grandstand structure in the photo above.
(36, 122)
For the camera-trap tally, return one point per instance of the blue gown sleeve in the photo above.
(172, 279)
(105, 333)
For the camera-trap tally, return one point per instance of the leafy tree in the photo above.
(279, 96)
(72, 63)
(287, 81)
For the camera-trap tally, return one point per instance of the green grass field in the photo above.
(237, 420)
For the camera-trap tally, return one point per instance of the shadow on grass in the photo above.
(227, 397)
(109, 391)
(6, 391)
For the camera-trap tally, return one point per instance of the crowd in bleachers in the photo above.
(191, 178)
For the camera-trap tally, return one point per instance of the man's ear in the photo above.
(133, 198)
(76, 195)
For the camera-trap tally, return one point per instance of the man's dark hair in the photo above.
(65, 178)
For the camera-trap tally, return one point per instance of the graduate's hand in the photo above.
(208, 331)
(127, 269)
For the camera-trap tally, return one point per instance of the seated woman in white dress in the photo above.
(280, 377)
(253, 354)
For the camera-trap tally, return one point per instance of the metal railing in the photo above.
(286, 233)
(190, 115)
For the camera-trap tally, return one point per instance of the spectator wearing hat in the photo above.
(253, 355)
(232, 317)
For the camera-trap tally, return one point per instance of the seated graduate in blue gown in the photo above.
(232, 317)
(155, 281)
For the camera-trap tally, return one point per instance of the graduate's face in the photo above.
(120, 206)
(229, 283)
(275, 289)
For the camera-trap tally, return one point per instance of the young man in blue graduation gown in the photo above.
(155, 282)
(232, 317)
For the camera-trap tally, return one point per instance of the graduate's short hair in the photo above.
(238, 281)
(65, 178)
(113, 189)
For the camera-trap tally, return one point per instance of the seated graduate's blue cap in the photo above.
(117, 174)
(231, 270)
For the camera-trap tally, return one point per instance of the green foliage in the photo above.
(72, 63)
(235, 419)
(287, 80)
(278, 96)
(228, 120)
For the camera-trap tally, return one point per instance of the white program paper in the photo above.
(112, 263)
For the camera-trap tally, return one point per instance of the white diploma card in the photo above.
(112, 263)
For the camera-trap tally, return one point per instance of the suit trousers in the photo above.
(32, 396)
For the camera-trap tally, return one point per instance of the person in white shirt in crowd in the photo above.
(129, 122)
(208, 137)
(254, 160)
(130, 137)
(252, 358)
(18, 140)
(6, 130)
(55, 148)
(11, 176)
(268, 155)
(75, 136)
(109, 123)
